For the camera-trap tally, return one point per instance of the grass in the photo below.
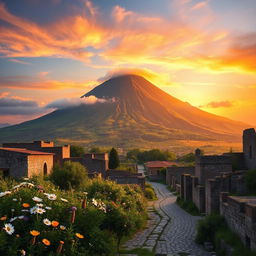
(188, 206)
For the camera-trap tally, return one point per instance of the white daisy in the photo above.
(51, 196)
(25, 210)
(21, 217)
(64, 200)
(47, 222)
(15, 199)
(9, 228)
(39, 205)
(37, 199)
(48, 207)
(33, 210)
(40, 210)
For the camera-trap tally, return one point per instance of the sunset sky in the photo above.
(202, 52)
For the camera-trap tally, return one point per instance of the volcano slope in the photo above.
(135, 113)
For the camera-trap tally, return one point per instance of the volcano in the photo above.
(133, 113)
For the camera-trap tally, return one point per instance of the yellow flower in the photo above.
(55, 223)
(26, 205)
(46, 242)
(34, 233)
(3, 218)
(80, 236)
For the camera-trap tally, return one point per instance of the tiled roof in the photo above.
(160, 164)
(26, 151)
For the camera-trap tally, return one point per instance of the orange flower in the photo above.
(55, 223)
(61, 242)
(26, 205)
(80, 236)
(3, 218)
(46, 242)
(34, 233)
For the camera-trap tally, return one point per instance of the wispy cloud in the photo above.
(219, 104)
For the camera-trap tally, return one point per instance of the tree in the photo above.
(76, 151)
(113, 159)
(95, 150)
(70, 175)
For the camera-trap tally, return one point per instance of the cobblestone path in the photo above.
(171, 231)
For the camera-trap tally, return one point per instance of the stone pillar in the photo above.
(188, 187)
(182, 188)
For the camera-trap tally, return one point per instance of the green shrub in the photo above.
(70, 175)
(251, 181)
(188, 206)
(149, 192)
(207, 228)
(76, 151)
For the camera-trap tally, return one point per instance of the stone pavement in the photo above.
(171, 231)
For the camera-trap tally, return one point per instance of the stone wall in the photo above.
(124, 177)
(92, 162)
(207, 167)
(39, 164)
(249, 148)
(230, 182)
(240, 214)
(173, 174)
(198, 194)
(13, 163)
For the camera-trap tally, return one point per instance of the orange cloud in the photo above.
(129, 38)
(219, 104)
(42, 83)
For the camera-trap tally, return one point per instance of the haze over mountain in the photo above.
(135, 113)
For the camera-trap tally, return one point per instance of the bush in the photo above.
(70, 175)
(103, 216)
(150, 192)
(251, 181)
(214, 229)
(188, 206)
(207, 228)
(76, 151)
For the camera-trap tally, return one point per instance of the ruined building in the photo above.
(38, 157)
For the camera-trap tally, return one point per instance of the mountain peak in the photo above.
(120, 86)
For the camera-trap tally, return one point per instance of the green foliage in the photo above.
(213, 228)
(70, 175)
(188, 206)
(207, 228)
(150, 155)
(96, 150)
(251, 181)
(149, 192)
(112, 211)
(76, 151)
(113, 159)
(188, 158)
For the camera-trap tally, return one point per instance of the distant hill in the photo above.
(136, 114)
(4, 125)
